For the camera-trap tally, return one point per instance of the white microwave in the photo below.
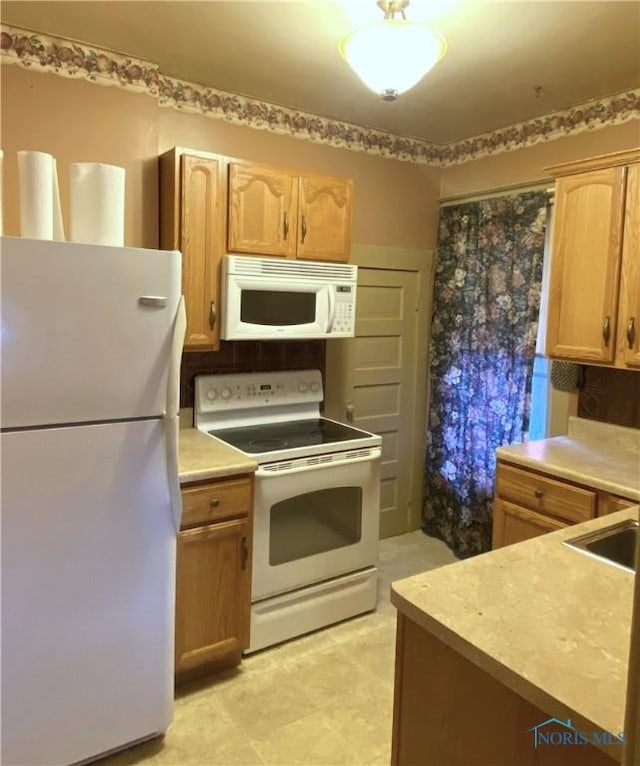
(272, 298)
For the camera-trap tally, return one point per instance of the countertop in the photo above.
(549, 622)
(596, 454)
(200, 457)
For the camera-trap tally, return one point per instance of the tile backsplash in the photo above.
(611, 396)
(249, 356)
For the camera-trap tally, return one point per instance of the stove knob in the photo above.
(212, 394)
(315, 387)
(226, 393)
(302, 387)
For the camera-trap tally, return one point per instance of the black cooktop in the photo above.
(280, 436)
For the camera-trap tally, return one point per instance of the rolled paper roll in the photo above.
(97, 203)
(40, 211)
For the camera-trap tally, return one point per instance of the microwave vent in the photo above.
(272, 267)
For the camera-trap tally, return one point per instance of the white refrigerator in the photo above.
(91, 339)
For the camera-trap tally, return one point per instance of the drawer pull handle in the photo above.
(538, 493)
(215, 503)
(245, 553)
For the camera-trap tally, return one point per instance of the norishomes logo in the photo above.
(554, 731)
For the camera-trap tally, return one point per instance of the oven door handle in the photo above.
(266, 474)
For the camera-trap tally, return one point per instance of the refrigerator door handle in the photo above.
(173, 376)
(153, 301)
(171, 431)
(171, 418)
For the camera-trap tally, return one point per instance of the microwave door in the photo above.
(266, 309)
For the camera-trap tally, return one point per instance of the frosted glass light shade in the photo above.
(391, 56)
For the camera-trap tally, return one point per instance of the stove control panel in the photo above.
(253, 389)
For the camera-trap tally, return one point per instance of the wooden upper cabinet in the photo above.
(192, 220)
(199, 277)
(273, 211)
(262, 210)
(585, 265)
(324, 218)
(629, 314)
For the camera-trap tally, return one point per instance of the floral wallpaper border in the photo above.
(77, 60)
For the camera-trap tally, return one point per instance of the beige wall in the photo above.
(527, 165)
(395, 203)
(78, 121)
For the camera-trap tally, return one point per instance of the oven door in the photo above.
(314, 519)
(255, 309)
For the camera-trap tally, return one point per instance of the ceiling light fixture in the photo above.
(393, 55)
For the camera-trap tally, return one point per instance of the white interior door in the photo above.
(88, 580)
(86, 331)
(377, 381)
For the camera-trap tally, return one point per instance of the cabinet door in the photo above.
(200, 206)
(213, 592)
(324, 218)
(513, 524)
(585, 265)
(611, 504)
(629, 316)
(262, 210)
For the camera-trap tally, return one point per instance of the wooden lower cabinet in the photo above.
(449, 712)
(513, 523)
(612, 504)
(213, 590)
(529, 503)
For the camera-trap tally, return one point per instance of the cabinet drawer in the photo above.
(212, 502)
(564, 501)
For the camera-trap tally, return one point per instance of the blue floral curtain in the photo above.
(485, 320)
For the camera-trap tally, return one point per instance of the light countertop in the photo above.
(200, 457)
(601, 456)
(549, 622)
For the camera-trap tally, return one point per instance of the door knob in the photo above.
(350, 412)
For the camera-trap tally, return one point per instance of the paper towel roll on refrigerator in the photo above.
(40, 211)
(97, 203)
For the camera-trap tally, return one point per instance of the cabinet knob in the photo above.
(215, 502)
(631, 332)
(606, 330)
(350, 412)
(538, 493)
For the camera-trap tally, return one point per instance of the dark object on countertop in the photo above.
(566, 376)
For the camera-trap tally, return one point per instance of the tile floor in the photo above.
(321, 700)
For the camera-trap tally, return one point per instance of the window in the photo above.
(541, 384)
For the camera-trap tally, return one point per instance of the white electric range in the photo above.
(317, 499)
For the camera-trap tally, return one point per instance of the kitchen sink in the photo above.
(615, 544)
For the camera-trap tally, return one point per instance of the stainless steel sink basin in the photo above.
(615, 544)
